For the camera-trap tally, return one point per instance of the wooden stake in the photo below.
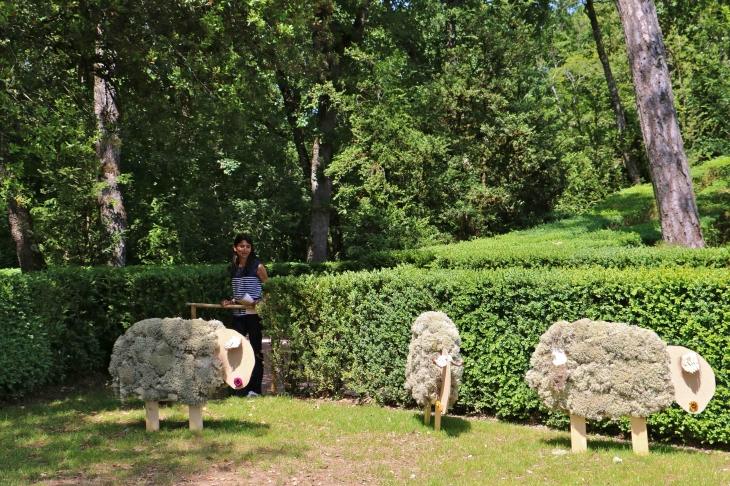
(273, 380)
(437, 418)
(639, 436)
(445, 385)
(195, 416)
(193, 311)
(578, 439)
(152, 415)
(427, 413)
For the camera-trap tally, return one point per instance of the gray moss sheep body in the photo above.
(430, 333)
(601, 370)
(167, 359)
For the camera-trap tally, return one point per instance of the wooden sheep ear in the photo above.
(692, 390)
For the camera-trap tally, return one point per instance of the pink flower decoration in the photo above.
(237, 382)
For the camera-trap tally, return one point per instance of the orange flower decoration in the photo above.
(693, 407)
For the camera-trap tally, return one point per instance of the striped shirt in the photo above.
(246, 284)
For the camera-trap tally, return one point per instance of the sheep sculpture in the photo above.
(595, 370)
(181, 360)
(430, 377)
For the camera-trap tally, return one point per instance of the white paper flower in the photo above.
(233, 343)
(442, 360)
(559, 357)
(690, 363)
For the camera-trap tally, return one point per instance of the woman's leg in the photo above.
(253, 326)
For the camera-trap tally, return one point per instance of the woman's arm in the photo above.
(261, 273)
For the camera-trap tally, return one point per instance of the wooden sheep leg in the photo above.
(195, 415)
(152, 414)
(639, 436)
(427, 413)
(578, 439)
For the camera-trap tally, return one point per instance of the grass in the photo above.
(622, 231)
(92, 438)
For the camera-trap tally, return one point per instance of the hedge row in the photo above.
(60, 322)
(351, 331)
(552, 249)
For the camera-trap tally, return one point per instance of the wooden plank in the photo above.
(437, 417)
(217, 306)
(639, 436)
(195, 416)
(578, 438)
(152, 415)
(427, 413)
(445, 385)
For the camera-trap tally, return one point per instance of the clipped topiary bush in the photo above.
(598, 370)
(168, 360)
(431, 332)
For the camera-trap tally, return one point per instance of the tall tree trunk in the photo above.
(108, 151)
(291, 106)
(322, 153)
(323, 148)
(659, 125)
(30, 258)
(628, 155)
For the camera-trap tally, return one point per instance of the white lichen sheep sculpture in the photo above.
(435, 345)
(596, 370)
(180, 360)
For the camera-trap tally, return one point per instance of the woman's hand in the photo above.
(226, 303)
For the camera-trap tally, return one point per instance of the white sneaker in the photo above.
(252, 394)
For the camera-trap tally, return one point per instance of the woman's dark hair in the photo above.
(234, 259)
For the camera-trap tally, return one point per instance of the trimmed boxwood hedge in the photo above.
(351, 331)
(60, 322)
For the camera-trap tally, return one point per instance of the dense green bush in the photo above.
(60, 322)
(351, 331)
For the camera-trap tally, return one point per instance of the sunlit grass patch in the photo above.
(95, 439)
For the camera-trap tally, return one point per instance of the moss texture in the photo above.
(430, 333)
(167, 360)
(612, 370)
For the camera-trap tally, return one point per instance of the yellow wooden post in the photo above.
(195, 416)
(578, 439)
(152, 415)
(639, 436)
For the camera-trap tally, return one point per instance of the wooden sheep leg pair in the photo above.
(639, 436)
(152, 415)
(443, 401)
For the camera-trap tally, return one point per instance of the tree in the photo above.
(30, 258)
(108, 152)
(659, 125)
(341, 34)
(628, 156)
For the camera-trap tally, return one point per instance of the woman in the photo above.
(247, 274)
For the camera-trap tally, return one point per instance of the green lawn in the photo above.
(92, 438)
(622, 231)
